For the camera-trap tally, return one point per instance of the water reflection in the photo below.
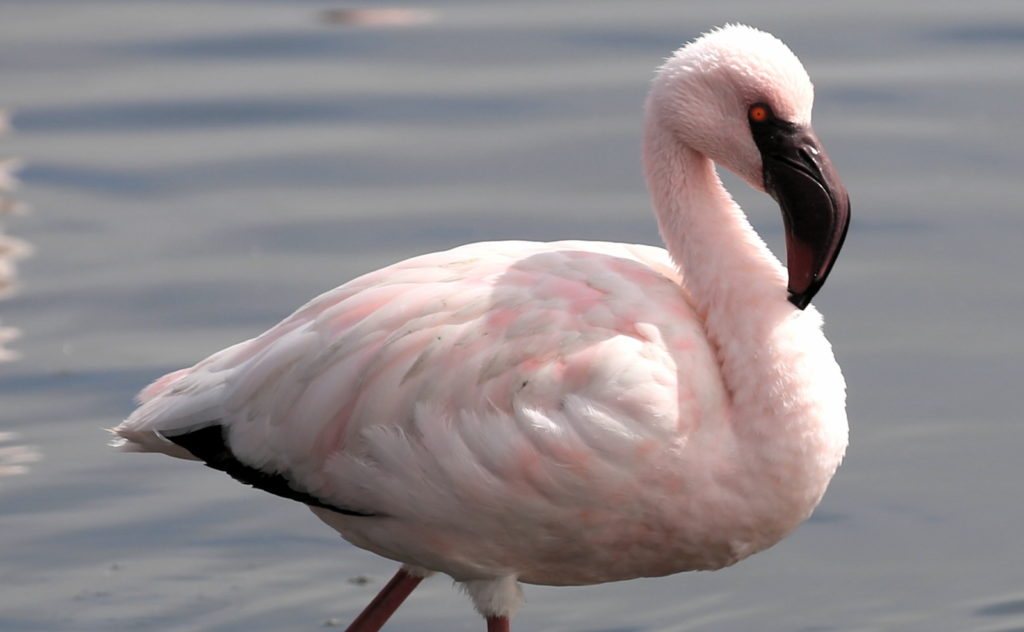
(15, 457)
(377, 16)
(11, 249)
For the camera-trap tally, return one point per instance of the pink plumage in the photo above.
(570, 412)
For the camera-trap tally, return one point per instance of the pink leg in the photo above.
(497, 624)
(385, 603)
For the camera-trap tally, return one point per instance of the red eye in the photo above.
(758, 113)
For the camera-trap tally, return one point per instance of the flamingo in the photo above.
(563, 413)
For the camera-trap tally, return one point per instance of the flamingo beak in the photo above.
(815, 206)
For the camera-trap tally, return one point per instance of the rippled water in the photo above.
(198, 169)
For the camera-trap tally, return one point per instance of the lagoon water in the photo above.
(199, 169)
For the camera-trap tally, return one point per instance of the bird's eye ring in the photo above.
(758, 113)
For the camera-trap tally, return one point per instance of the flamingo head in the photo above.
(740, 97)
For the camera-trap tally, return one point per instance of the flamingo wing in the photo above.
(346, 404)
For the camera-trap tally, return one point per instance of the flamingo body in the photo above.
(553, 413)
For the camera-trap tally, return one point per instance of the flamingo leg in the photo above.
(385, 603)
(497, 624)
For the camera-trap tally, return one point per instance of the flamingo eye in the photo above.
(759, 113)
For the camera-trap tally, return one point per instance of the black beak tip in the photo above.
(801, 299)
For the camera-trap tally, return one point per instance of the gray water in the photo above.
(199, 169)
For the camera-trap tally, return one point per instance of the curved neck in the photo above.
(786, 392)
(728, 271)
(735, 283)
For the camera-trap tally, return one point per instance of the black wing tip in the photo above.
(210, 445)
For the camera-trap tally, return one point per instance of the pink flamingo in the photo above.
(563, 413)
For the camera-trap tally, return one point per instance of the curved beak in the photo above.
(815, 206)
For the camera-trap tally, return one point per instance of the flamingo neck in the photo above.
(734, 281)
(738, 289)
(787, 395)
